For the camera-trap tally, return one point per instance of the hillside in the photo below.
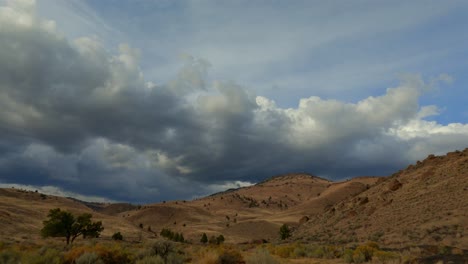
(249, 213)
(22, 213)
(425, 204)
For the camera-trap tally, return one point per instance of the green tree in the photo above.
(117, 236)
(176, 237)
(204, 238)
(285, 232)
(220, 239)
(65, 224)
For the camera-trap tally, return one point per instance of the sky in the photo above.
(149, 100)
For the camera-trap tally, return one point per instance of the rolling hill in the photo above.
(427, 204)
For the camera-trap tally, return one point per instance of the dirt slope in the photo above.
(427, 203)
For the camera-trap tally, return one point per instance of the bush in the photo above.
(206, 255)
(348, 256)
(175, 258)
(359, 257)
(113, 254)
(164, 250)
(9, 257)
(299, 252)
(150, 260)
(365, 251)
(317, 252)
(230, 257)
(261, 256)
(284, 251)
(285, 232)
(385, 257)
(89, 258)
(117, 236)
(204, 238)
(220, 239)
(332, 252)
(44, 255)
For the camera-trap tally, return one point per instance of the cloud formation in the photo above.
(85, 120)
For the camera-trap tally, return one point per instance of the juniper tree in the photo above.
(65, 224)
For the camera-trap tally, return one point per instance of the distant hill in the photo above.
(427, 203)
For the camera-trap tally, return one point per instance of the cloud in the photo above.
(53, 190)
(86, 120)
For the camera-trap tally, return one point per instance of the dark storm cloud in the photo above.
(82, 119)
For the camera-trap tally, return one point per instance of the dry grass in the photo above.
(425, 204)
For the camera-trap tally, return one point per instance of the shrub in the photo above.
(348, 255)
(204, 238)
(175, 258)
(220, 239)
(444, 250)
(299, 252)
(230, 257)
(108, 254)
(89, 258)
(74, 253)
(150, 260)
(317, 252)
(285, 232)
(366, 251)
(9, 257)
(207, 257)
(163, 249)
(117, 236)
(45, 255)
(284, 251)
(385, 257)
(332, 252)
(261, 256)
(359, 256)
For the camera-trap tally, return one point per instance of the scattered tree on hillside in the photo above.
(117, 236)
(174, 236)
(284, 232)
(220, 239)
(204, 238)
(65, 224)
